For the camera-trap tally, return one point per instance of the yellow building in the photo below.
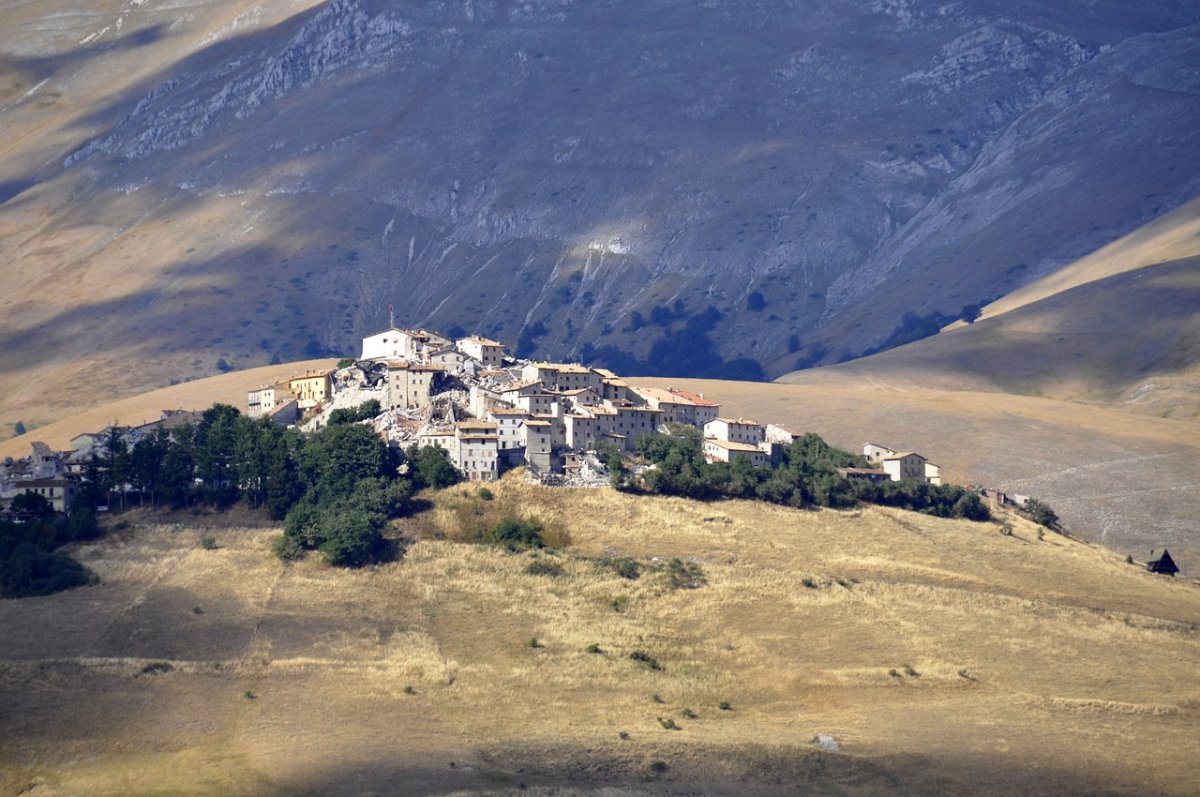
(312, 388)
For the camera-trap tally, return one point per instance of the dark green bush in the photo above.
(645, 658)
(518, 534)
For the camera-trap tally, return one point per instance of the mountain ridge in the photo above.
(267, 180)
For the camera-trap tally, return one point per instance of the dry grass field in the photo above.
(942, 656)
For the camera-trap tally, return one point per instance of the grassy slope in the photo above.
(1078, 669)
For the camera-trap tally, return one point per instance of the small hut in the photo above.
(1161, 562)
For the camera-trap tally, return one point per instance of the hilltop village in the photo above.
(488, 412)
(491, 412)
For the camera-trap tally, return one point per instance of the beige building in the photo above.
(735, 430)
(488, 352)
(581, 430)
(563, 376)
(59, 492)
(904, 465)
(410, 385)
(539, 446)
(780, 434)
(678, 406)
(726, 451)
(509, 421)
(478, 449)
(311, 389)
(264, 400)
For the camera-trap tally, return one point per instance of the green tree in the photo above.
(336, 457)
(28, 506)
(176, 482)
(214, 447)
(1042, 514)
(146, 463)
(363, 412)
(430, 466)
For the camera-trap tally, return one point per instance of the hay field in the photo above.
(1020, 665)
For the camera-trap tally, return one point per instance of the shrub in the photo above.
(543, 568)
(485, 494)
(687, 713)
(408, 690)
(909, 671)
(1128, 559)
(659, 767)
(1006, 529)
(157, 668)
(624, 735)
(656, 698)
(533, 643)
(685, 575)
(724, 706)
(517, 534)
(249, 695)
(594, 648)
(363, 412)
(810, 583)
(1041, 513)
(286, 548)
(625, 567)
(893, 673)
(668, 723)
(645, 658)
(209, 543)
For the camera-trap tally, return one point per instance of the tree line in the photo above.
(806, 476)
(335, 490)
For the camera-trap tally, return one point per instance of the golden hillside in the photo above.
(941, 656)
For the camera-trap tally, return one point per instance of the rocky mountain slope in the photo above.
(189, 184)
(1120, 326)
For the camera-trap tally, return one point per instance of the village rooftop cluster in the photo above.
(491, 412)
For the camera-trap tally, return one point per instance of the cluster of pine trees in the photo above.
(806, 476)
(335, 489)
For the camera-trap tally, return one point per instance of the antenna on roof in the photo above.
(391, 317)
